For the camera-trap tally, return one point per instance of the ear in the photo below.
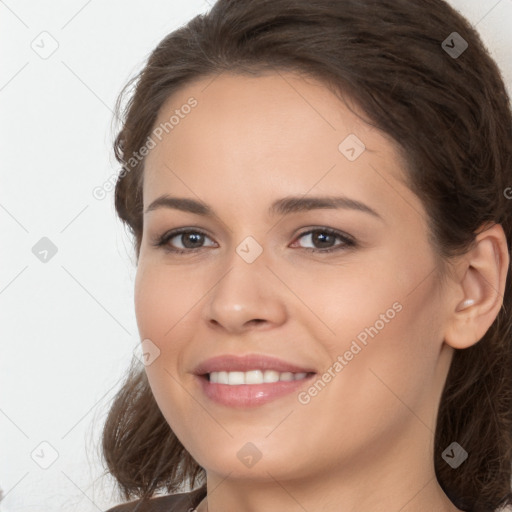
(478, 295)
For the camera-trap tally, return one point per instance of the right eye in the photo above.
(182, 234)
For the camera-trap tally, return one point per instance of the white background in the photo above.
(68, 325)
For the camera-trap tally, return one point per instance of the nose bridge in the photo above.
(246, 274)
(246, 290)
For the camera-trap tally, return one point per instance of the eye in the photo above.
(325, 237)
(192, 240)
(189, 243)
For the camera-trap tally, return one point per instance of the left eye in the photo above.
(322, 236)
(325, 236)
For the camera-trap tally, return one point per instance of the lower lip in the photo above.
(249, 395)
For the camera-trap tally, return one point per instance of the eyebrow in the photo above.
(284, 206)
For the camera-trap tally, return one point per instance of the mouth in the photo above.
(250, 380)
(253, 377)
(250, 389)
(270, 367)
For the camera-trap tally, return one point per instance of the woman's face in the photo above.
(367, 317)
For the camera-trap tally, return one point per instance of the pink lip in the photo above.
(232, 363)
(249, 395)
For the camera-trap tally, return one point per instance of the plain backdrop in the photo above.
(67, 272)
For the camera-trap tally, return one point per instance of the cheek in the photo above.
(382, 385)
(166, 313)
(158, 311)
(164, 301)
(384, 329)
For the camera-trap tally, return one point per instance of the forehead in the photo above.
(256, 109)
(255, 133)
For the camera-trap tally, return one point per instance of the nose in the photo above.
(247, 295)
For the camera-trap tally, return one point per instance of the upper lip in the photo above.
(233, 363)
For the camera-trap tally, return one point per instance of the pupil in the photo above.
(198, 236)
(321, 235)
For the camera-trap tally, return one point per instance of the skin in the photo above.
(365, 442)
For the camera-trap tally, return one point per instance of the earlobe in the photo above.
(484, 273)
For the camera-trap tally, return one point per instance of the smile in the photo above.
(249, 389)
(254, 377)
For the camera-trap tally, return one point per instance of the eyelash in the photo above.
(163, 240)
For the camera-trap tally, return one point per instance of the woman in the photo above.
(318, 193)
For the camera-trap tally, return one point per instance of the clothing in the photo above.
(183, 502)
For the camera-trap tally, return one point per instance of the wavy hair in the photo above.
(451, 118)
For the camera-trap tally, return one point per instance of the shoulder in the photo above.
(183, 502)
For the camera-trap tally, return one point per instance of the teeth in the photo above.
(253, 377)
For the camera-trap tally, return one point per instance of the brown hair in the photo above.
(450, 116)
